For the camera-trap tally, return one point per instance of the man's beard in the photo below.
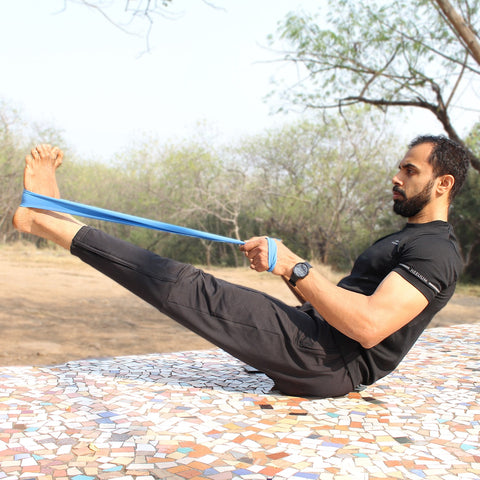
(409, 207)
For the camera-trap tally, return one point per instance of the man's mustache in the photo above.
(397, 189)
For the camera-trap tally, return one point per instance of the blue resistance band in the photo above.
(35, 200)
(272, 253)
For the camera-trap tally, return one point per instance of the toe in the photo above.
(43, 149)
(28, 160)
(34, 153)
(58, 155)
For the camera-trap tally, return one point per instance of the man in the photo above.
(343, 335)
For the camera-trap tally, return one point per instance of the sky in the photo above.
(72, 69)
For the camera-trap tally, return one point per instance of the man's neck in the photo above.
(428, 215)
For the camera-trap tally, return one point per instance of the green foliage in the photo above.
(321, 186)
(465, 214)
(385, 43)
(379, 53)
(10, 170)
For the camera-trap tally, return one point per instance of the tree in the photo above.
(323, 185)
(189, 184)
(465, 214)
(385, 54)
(10, 168)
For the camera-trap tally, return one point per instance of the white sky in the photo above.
(75, 71)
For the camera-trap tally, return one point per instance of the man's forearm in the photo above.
(294, 290)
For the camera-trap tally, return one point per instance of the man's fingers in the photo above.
(255, 253)
(252, 243)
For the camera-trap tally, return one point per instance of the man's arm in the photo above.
(366, 319)
(295, 291)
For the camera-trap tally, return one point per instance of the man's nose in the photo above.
(396, 180)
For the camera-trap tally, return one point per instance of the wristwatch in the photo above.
(300, 270)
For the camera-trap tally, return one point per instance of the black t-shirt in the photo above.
(427, 256)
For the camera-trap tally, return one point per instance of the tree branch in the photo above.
(457, 83)
(458, 23)
(429, 47)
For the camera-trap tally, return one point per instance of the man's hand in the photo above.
(256, 250)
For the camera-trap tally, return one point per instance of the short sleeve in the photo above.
(430, 264)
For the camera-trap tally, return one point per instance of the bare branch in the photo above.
(143, 10)
(458, 23)
(457, 83)
(101, 11)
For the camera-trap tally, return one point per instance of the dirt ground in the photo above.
(54, 309)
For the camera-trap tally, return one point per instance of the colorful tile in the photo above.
(200, 415)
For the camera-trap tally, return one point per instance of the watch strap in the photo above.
(295, 277)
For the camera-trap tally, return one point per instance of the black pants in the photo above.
(295, 349)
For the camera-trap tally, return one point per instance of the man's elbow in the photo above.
(372, 326)
(368, 342)
(369, 336)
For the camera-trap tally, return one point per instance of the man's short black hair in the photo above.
(447, 158)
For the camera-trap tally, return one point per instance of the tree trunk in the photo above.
(458, 23)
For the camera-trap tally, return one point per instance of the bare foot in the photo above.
(40, 167)
(39, 177)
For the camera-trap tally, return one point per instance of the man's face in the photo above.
(409, 207)
(414, 182)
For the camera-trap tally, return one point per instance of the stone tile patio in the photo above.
(201, 415)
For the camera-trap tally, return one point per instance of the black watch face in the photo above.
(301, 270)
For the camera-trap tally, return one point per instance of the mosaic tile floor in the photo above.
(200, 415)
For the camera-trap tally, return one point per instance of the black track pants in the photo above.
(297, 351)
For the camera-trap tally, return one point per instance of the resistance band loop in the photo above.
(35, 200)
(272, 254)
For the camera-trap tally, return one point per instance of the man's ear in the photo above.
(445, 184)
